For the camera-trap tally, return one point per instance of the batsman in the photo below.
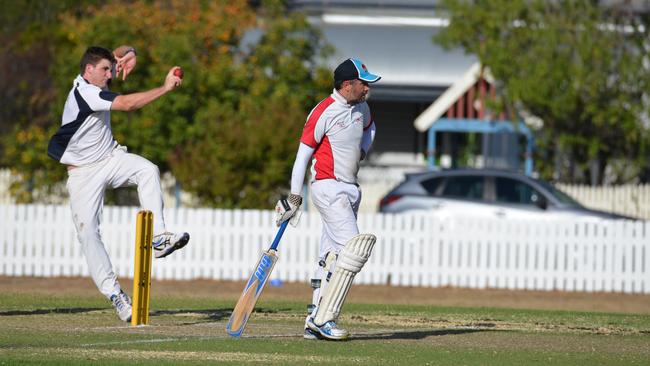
(336, 137)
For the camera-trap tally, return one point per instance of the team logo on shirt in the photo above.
(345, 123)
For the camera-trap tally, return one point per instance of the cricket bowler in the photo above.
(96, 161)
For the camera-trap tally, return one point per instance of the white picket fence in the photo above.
(412, 250)
(632, 200)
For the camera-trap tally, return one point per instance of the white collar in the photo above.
(339, 98)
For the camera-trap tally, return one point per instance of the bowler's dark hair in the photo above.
(338, 84)
(93, 55)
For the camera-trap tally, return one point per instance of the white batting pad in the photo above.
(350, 261)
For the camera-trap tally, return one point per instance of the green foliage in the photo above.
(27, 93)
(26, 89)
(229, 133)
(577, 65)
(249, 141)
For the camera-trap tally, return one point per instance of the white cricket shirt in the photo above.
(85, 135)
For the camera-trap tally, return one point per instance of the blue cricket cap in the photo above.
(353, 68)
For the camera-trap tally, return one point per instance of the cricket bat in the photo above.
(254, 287)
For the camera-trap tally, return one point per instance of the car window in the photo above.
(559, 195)
(513, 191)
(431, 185)
(464, 187)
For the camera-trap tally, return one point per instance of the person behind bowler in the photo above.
(337, 135)
(95, 161)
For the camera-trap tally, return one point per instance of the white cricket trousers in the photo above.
(86, 186)
(338, 205)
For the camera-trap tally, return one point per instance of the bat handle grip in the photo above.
(278, 236)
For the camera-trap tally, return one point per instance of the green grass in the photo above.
(40, 329)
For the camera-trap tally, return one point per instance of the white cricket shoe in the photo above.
(329, 330)
(122, 304)
(311, 335)
(166, 243)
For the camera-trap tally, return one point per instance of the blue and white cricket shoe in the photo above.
(122, 304)
(328, 330)
(166, 243)
(311, 335)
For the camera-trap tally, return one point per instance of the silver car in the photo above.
(485, 193)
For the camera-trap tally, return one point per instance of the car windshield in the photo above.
(561, 196)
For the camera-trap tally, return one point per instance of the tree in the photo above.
(25, 53)
(26, 89)
(243, 94)
(579, 66)
(249, 142)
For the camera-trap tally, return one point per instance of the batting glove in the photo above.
(288, 208)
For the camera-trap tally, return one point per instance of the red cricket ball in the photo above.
(179, 72)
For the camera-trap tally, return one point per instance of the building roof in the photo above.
(451, 96)
(400, 48)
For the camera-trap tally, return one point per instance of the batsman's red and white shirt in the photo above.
(334, 130)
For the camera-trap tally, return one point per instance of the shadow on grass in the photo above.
(49, 311)
(414, 334)
(211, 314)
(214, 314)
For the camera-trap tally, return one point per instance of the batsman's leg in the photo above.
(315, 285)
(350, 262)
(319, 283)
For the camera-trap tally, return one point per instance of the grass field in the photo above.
(80, 327)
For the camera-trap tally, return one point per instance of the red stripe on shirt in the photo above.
(307, 137)
(324, 166)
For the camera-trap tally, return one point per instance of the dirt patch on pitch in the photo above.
(544, 300)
